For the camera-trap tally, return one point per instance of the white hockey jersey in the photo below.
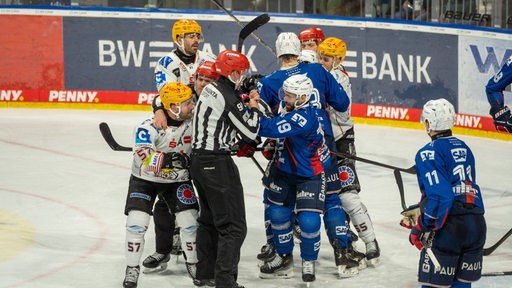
(341, 121)
(151, 143)
(170, 68)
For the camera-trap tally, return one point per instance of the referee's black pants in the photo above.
(222, 224)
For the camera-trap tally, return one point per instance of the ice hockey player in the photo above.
(298, 180)
(161, 169)
(494, 89)
(309, 40)
(324, 84)
(331, 54)
(168, 242)
(451, 218)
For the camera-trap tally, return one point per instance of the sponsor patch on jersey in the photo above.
(305, 195)
(176, 72)
(459, 154)
(347, 176)
(142, 136)
(284, 238)
(427, 155)
(186, 194)
(140, 195)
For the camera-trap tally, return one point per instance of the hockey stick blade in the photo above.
(488, 251)
(251, 27)
(411, 170)
(107, 135)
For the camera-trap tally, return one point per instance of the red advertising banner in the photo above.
(32, 52)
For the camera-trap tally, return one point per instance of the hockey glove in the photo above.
(419, 237)
(245, 149)
(411, 215)
(502, 118)
(174, 160)
(269, 148)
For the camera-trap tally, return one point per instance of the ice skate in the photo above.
(176, 250)
(308, 272)
(280, 267)
(347, 266)
(357, 256)
(267, 254)
(204, 283)
(372, 253)
(131, 277)
(191, 269)
(155, 263)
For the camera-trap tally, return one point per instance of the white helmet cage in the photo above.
(287, 43)
(298, 85)
(439, 113)
(308, 56)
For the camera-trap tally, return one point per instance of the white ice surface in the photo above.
(60, 177)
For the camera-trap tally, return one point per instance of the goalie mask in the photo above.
(439, 113)
(175, 93)
(297, 85)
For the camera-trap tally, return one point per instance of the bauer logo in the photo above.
(140, 195)
(186, 194)
(142, 136)
(427, 155)
(459, 154)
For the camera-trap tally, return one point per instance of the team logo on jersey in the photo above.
(142, 136)
(427, 155)
(186, 194)
(284, 238)
(347, 176)
(459, 154)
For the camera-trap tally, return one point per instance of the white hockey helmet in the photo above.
(287, 43)
(439, 113)
(299, 85)
(308, 56)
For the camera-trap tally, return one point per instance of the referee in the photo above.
(220, 115)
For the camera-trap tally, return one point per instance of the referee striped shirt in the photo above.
(219, 116)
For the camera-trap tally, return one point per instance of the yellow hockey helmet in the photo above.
(174, 93)
(333, 47)
(184, 26)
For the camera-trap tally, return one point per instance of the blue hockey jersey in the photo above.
(327, 91)
(303, 151)
(498, 83)
(445, 169)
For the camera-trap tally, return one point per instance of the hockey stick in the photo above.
(250, 28)
(256, 23)
(489, 250)
(107, 135)
(400, 183)
(503, 273)
(411, 170)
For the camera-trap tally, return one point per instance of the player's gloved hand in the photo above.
(245, 149)
(502, 118)
(411, 215)
(269, 148)
(175, 160)
(419, 236)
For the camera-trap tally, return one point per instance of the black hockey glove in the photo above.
(411, 215)
(174, 160)
(250, 83)
(269, 148)
(502, 118)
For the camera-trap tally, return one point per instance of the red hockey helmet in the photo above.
(207, 69)
(314, 33)
(230, 60)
